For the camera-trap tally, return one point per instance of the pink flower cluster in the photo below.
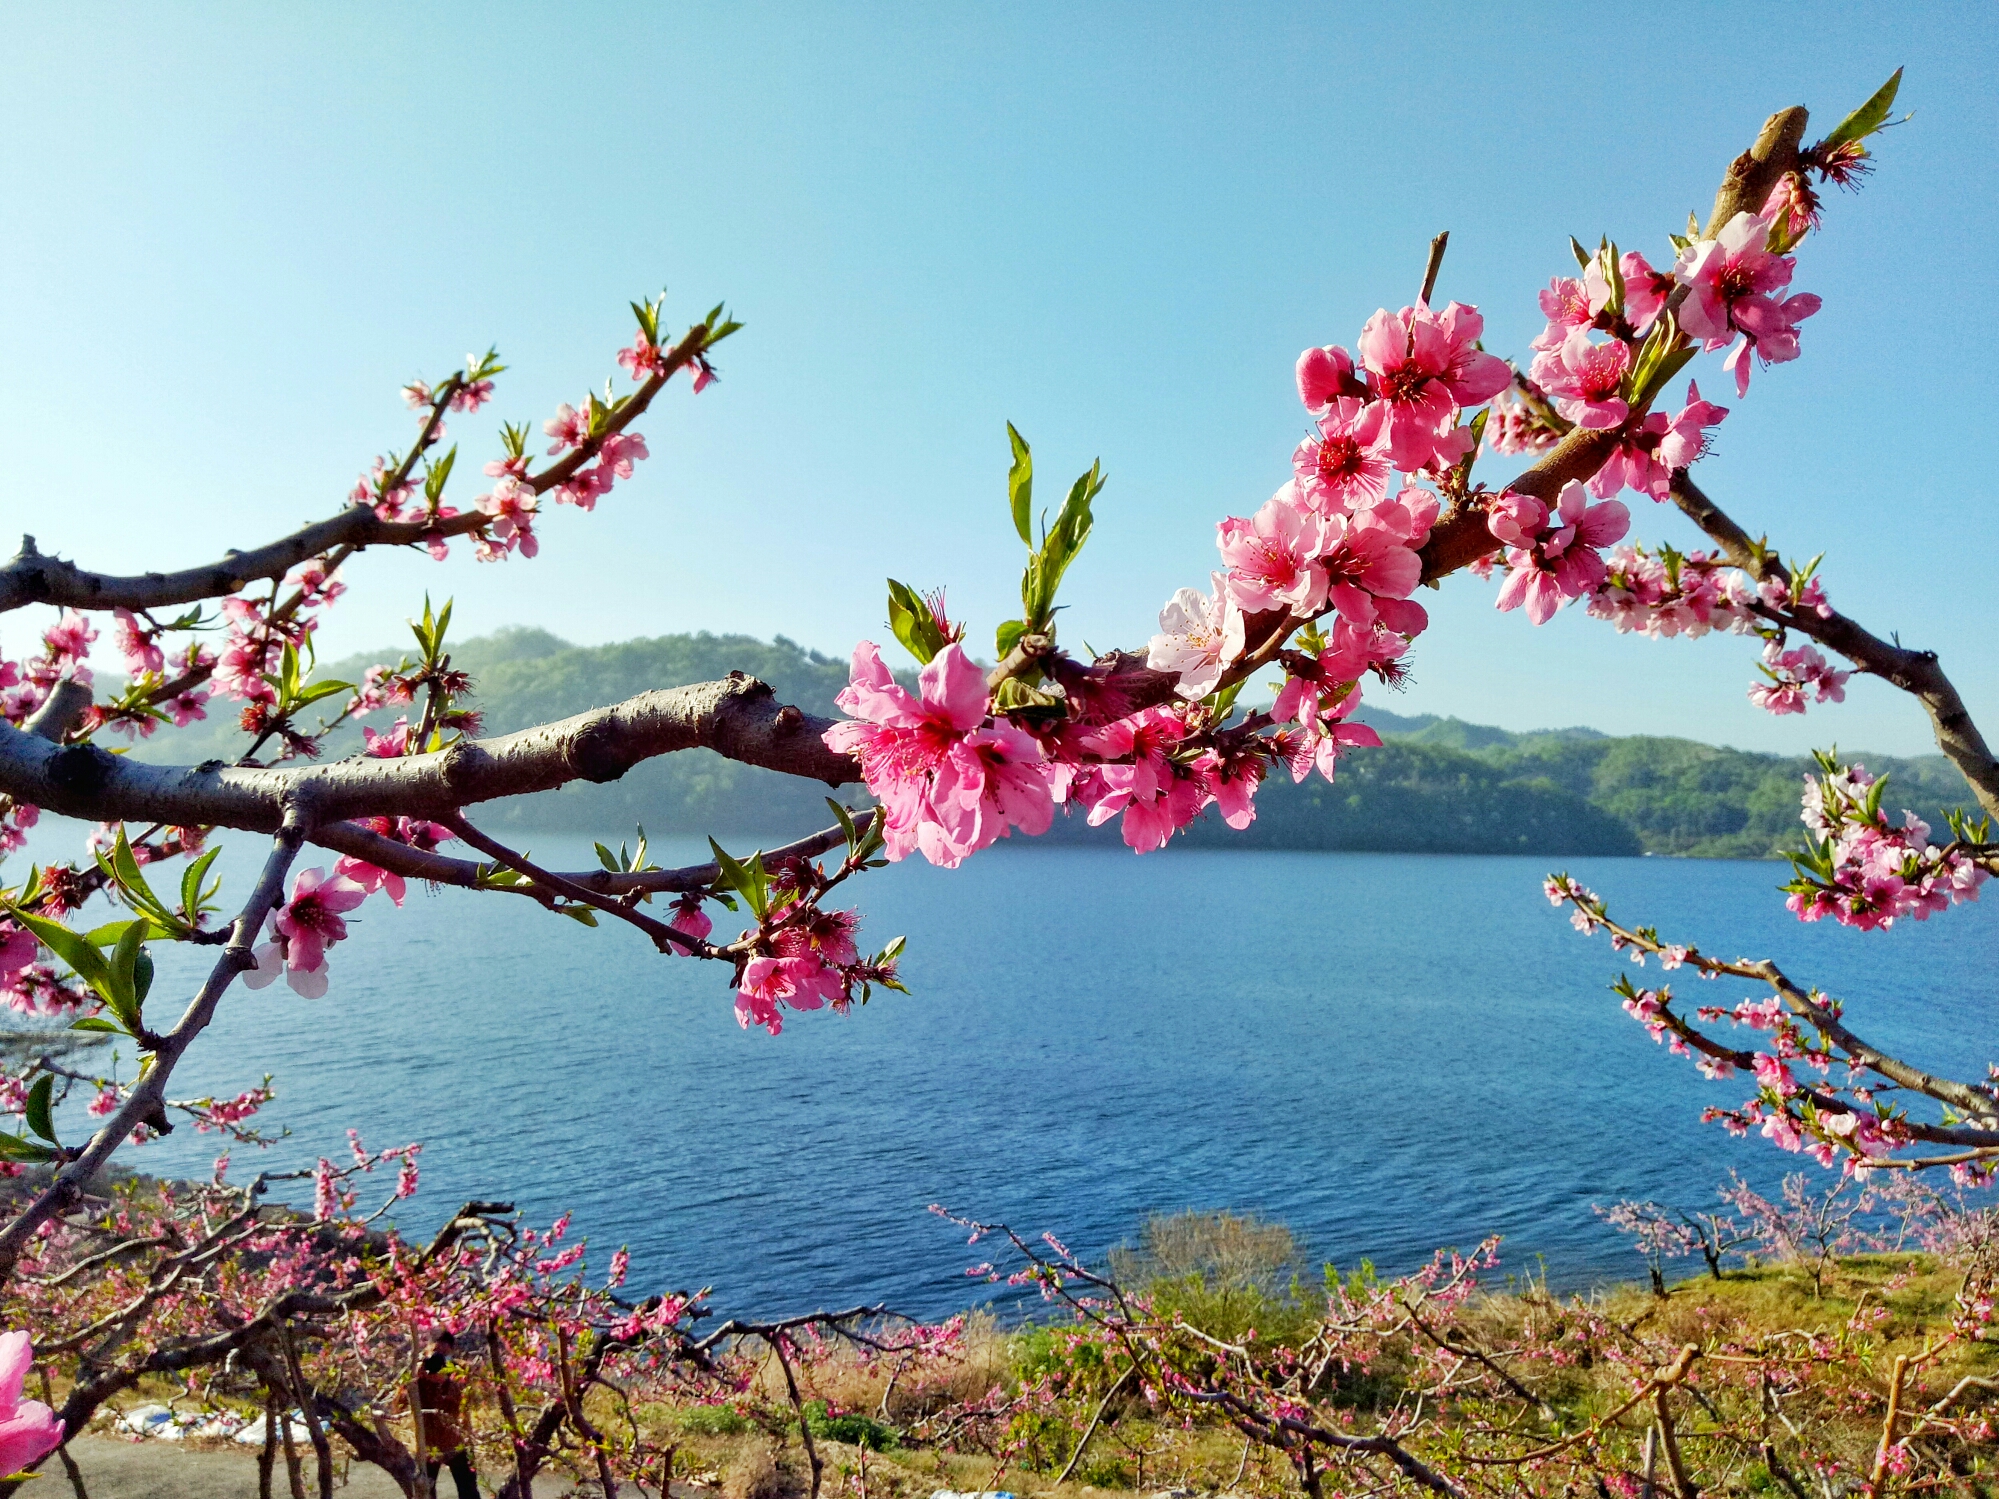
(1553, 555)
(809, 966)
(950, 779)
(1791, 674)
(1865, 872)
(616, 453)
(1733, 282)
(1399, 405)
(1673, 594)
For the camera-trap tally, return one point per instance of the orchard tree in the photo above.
(1314, 592)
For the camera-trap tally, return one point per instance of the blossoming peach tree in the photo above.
(1313, 593)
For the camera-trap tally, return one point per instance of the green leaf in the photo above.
(913, 623)
(846, 822)
(95, 1023)
(142, 976)
(1059, 548)
(1869, 118)
(1008, 635)
(606, 858)
(319, 690)
(737, 877)
(1582, 256)
(1020, 485)
(438, 472)
(37, 1112)
(24, 1152)
(192, 896)
(581, 914)
(124, 984)
(84, 960)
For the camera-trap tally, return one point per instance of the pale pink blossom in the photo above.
(302, 931)
(512, 506)
(1199, 637)
(569, 427)
(1571, 305)
(139, 646)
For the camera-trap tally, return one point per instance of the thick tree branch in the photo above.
(739, 718)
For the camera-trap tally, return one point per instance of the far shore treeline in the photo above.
(1435, 786)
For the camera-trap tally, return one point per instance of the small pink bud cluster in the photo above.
(1673, 594)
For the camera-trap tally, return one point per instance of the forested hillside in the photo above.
(1435, 786)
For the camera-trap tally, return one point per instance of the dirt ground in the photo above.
(113, 1469)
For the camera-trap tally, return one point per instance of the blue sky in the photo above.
(233, 232)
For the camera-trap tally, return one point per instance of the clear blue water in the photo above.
(1388, 1053)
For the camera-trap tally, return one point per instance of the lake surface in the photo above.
(1388, 1053)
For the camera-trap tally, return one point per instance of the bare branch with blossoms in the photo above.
(1857, 1120)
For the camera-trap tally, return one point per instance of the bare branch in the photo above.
(1915, 672)
(32, 578)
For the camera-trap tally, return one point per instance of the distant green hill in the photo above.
(1437, 785)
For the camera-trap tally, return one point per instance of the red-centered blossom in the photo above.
(1311, 682)
(1199, 638)
(1232, 783)
(688, 917)
(29, 1430)
(138, 645)
(1572, 304)
(1373, 552)
(1347, 464)
(569, 427)
(1425, 366)
(302, 931)
(1585, 380)
(948, 786)
(390, 746)
(1864, 871)
(643, 359)
(1271, 557)
(1140, 779)
(1793, 673)
(1732, 282)
(619, 451)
